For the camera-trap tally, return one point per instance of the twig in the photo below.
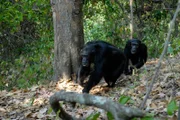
(120, 112)
(179, 112)
(161, 57)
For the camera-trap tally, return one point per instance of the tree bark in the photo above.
(120, 112)
(68, 36)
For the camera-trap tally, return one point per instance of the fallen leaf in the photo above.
(43, 110)
(26, 114)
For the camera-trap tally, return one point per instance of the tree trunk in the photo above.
(68, 36)
(131, 19)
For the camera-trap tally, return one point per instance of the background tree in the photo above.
(68, 36)
(131, 19)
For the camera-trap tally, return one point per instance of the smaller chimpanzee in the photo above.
(136, 52)
(100, 59)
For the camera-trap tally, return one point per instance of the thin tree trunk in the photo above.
(131, 20)
(68, 36)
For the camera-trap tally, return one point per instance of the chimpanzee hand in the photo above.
(128, 72)
(131, 69)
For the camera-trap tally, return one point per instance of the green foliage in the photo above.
(26, 34)
(148, 116)
(93, 116)
(57, 115)
(13, 13)
(124, 99)
(109, 20)
(174, 46)
(103, 20)
(22, 22)
(170, 50)
(110, 116)
(172, 107)
(159, 14)
(50, 110)
(30, 68)
(145, 118)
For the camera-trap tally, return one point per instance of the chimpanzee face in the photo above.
(85, 59)
(135, 46)
(87, 55)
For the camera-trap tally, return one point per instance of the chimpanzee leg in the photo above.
(108, 80)
(112, 77)
(117, 73)
(111, 80)
(94, 79)
(127, 71)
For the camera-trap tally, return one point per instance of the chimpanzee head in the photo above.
(87, 55)
(135, 44)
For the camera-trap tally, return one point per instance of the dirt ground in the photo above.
(33, 103)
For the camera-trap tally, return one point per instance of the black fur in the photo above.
(108, 62)
(136, 52)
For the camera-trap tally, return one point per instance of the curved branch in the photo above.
(119, 111)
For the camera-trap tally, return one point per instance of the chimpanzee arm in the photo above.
(142, 56)
(140, 63)
(81, 74)
(127, 54)
(126, 69)
(94, 78)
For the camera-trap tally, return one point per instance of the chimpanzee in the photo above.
(136, 52)
(100, 59)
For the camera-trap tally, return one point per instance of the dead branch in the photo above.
(120, 112)
(179, 111)
(161, 57)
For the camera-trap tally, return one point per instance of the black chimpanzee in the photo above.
(136, 52)
(107, 60)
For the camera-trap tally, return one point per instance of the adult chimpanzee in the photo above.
(100, 59)
(136, 52)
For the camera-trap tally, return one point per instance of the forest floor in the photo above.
(33, 103)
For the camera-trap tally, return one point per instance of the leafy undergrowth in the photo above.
(33, 103)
